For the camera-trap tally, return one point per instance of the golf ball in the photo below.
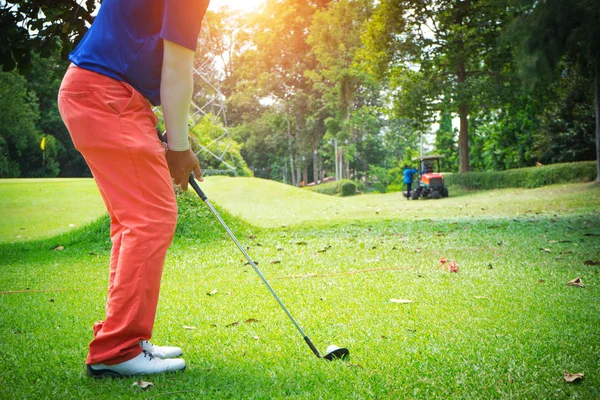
(331, 348)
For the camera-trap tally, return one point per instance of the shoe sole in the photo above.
(108, 373)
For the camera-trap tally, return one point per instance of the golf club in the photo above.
(332, 352)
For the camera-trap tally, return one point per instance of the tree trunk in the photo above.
(290, 146)
(597, 107)
(461, 11)
(463, 113)
(299, 150)
(315, 160)
(463, 138)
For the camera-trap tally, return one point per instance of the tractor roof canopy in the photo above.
(429, 157)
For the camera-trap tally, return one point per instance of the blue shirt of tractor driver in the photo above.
(132, 52)
(408, 174)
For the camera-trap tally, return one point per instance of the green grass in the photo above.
(505, 326)
(36, 208)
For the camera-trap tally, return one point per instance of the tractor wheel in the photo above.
(414, 195)
(445, 192)
(435, 194)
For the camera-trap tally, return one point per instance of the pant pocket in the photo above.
(117, 96)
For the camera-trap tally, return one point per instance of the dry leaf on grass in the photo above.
(401, 301)
(143, 384)
(232, 324)
(59, 248)
(569, 378)
(591, 262)
(546, 250)
(212, 292)
(576, 282)
(189, 328)
(251, 320)
(275, 262)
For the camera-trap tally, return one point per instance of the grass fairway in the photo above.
(505, 326)
(36, 208)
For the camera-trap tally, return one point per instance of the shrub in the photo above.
(379, 187)
(344, 187)
(530, 177)
(348, 188)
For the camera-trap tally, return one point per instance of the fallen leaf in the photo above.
(546, 250)
(232, 324)
(576, 282)
(248, 262)
(189, 328)
(453, 266)
(443, 260)
(275, 262)
(143, 384)
(301, 243)
(591, 262)
(59, 248)
(566, 252)
(418, 250)
(569, 378)
(255, 338)
(401, 301)
(541, 281)
(212, 292)
(251, 320)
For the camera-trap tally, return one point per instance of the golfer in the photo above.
(137, 53)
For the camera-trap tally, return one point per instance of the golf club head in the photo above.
(333, 352)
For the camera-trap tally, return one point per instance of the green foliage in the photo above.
(525, 177)
(20, 153)
(446, 144)
(205, 134)
(47, 27)
(343, 188)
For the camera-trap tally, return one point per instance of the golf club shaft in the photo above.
(200, 193)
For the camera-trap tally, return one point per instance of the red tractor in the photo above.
(431, 184)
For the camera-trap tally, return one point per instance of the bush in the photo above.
(344, 187)
(530, 177)
(379, 187)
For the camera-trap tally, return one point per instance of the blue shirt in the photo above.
(125, 42)
(408, 174)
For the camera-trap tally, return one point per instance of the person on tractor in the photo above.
(408, 178)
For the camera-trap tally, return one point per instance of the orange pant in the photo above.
(113, 127)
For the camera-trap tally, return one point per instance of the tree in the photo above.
(548, 32)
(436, 53)
(46, 26)
(20, 153)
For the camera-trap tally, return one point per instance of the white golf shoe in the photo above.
(145, 363)
(161, 351)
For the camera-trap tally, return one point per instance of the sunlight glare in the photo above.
(243, 5)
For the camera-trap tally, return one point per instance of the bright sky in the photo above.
(244, 5)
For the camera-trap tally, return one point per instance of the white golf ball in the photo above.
(331, 348)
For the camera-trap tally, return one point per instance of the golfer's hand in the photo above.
(181, 164)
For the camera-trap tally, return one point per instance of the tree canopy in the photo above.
(353, 86)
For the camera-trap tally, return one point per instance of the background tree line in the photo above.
(318, 86)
